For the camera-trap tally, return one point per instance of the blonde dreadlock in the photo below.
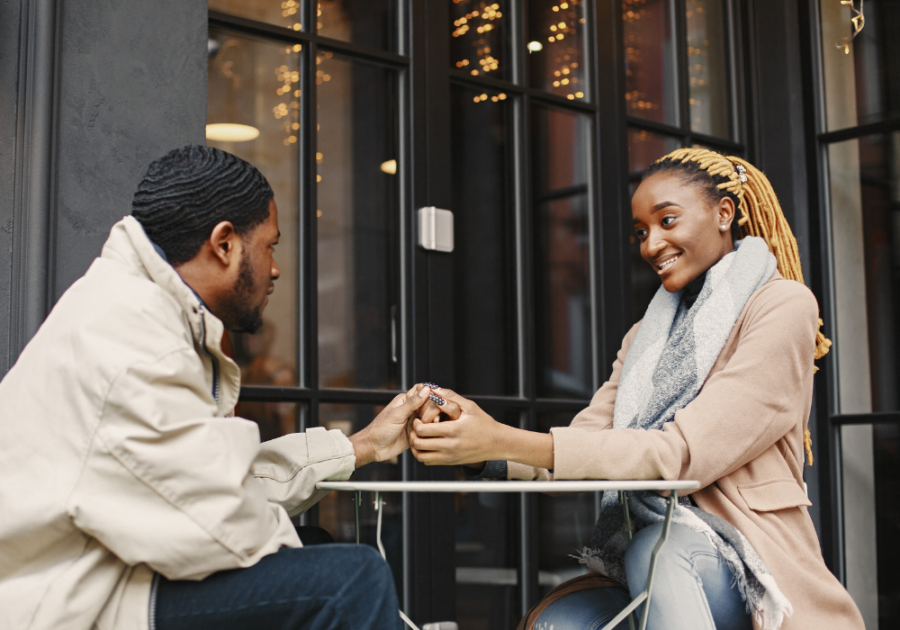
(761, 215)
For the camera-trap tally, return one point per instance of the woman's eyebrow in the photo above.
(663, 204)
(658, 207)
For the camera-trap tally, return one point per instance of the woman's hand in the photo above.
(470, 437)
(386, 436)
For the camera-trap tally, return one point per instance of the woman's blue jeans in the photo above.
(691, 589)
(323, 587)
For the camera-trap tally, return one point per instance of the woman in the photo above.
(713, 384)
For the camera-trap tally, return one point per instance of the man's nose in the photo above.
(276, 272)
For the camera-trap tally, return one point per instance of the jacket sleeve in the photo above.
(290, 466)
(741, 411)
(168, 484)
(598, 416)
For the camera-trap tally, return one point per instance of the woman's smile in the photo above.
(681, 231)
(665, 263)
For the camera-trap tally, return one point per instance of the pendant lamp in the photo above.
(231, 93)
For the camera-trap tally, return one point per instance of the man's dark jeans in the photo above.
(313, 588)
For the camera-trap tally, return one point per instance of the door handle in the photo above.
(436, 229)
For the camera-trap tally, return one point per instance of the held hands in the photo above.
(386, 436)
(472, 437)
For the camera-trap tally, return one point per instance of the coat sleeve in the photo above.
(598, 416)
(167, 484)
(741, 411)
(290, 466)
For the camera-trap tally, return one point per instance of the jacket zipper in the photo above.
(215, 361)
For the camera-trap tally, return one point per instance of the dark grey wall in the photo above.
(132, 86)
(9, 44)
(128, 83)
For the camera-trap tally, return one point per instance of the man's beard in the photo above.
(240, 315)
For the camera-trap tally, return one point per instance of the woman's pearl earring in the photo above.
(723, 227)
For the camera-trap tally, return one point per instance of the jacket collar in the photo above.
(129, 245)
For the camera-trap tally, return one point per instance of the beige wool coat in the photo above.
(741, 437)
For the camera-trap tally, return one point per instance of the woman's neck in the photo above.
(692, 290)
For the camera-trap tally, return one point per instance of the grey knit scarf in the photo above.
(667, 364)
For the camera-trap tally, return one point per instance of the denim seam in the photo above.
(699, 580)
(217, 611)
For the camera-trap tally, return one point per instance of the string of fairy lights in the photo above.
(289, 78)
(477, 31)
(857, 19)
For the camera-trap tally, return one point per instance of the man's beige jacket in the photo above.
(119, 456)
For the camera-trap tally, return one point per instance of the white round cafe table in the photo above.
(620, 486)
(506, 486)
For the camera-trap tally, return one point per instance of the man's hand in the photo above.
(386, 435)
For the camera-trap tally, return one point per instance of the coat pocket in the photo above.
(775, 494)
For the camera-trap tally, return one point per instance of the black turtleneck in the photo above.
(692, 290)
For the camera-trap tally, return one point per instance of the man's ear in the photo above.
(223, 241)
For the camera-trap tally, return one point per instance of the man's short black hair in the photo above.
(190, 190)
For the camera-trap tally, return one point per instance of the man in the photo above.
(124, 478)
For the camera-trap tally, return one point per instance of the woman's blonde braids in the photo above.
(760, 215)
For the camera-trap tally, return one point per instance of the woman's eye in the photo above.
(667, 220)
(640, 233)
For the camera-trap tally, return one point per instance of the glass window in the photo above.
(562, 253)
(484, 258)
(274, 418)
(565, 524)
(556, 37)
(287, 13)
(862, 82)
(366, 22)
(357, 224)
(864, 177)
(707, 59)
(252, 112)
(478, 38)
(865, 215)
(651, 69)
(336, 510)
(886, 442)
(487, 557)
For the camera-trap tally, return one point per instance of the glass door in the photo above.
(312, 93)
(858, 145)
(360, 112)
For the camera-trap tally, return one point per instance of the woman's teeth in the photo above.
(668, 263)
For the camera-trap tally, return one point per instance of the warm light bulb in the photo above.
(231, 132)
(389, 167)
(535, 46)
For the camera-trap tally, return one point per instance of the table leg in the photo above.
(644, 596)
(623, 499)
(357, 501)
(379, 507)
(629, 530)
(663, 537)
